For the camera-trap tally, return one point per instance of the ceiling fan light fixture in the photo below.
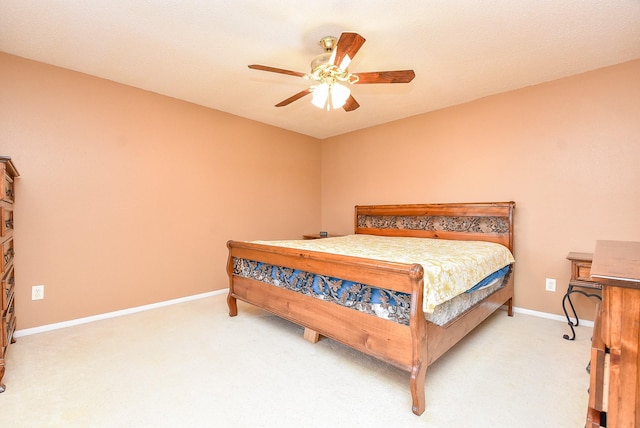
(330, 96)
(320, 95)
(339, 95)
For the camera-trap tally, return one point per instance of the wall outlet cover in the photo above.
(550, 284)
(37, 292)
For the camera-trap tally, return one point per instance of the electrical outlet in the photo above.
(550, 284)
(37, 292)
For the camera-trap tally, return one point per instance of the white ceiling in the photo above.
(198, 50)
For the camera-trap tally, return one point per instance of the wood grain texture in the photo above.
(8, 174)
(616, 265)
(411, 348)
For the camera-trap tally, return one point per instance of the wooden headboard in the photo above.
(483, 221)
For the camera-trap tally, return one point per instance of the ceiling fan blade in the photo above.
(276, 70)
(348, 45)
(351, 104)
(293, 98)
(399, 76)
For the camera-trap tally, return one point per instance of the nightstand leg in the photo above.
(567, 297)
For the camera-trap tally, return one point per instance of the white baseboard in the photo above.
(70, 323)
(562, 318)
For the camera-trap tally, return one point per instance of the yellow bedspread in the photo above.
(450, 267)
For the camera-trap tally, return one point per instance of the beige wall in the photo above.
(568, 153)
(127, 197)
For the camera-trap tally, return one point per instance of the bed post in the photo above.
(512, 206)
(510, 301)
(418, 327)
(231, 301)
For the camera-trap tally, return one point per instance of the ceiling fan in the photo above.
(331, 76)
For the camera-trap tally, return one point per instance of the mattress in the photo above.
(451, 267)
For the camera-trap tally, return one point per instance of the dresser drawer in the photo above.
(6, 220)
(6, 254)
(6, 185)
(6, 288)
(8, 324)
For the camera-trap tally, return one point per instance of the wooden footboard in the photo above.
(375, 336)
(413, 347)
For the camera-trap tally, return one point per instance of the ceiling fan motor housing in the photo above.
(320, 61)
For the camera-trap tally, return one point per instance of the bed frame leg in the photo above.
(418, 374)
(311, 335)
(233, 305)
(510, 307)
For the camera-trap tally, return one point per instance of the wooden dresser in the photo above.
(614, 390)
(8, 173)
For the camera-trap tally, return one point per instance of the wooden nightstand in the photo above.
(318, 236)
(581, 279)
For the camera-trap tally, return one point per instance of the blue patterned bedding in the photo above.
(383, 303)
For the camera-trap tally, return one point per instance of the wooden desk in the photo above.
(616, 343)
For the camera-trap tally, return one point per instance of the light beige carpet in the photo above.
(191, 365)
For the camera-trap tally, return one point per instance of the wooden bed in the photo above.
(410, 347)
